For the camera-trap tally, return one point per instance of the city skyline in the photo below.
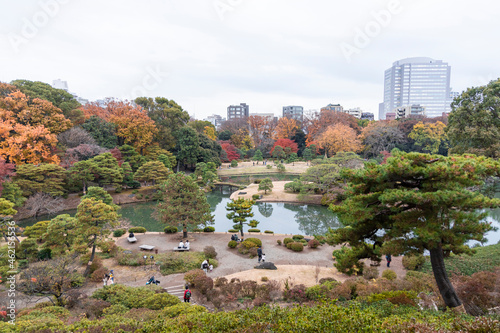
(207, 55)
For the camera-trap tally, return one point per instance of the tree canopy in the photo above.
(183, 203)
(416, 202)
(474, 122)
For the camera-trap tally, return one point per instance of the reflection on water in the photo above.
(282, 218)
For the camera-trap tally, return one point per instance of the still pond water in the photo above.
(282, 218)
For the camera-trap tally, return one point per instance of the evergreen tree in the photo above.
(154, 172)
(45, 178)
(183, 203)
(417, 202)
(241, 210)
(108, 171)
(266, 185)
(258, 156)
(94, 217)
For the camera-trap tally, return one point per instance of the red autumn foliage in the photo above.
(284, 143)
(230, 150)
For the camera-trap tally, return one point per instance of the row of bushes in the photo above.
(297, 243)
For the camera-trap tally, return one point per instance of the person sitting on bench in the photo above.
(131, 235)
(181, 245)
(186, 244)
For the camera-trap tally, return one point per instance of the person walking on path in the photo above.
(187, 295)
(388, 257)
(105, 279)
(259, 253)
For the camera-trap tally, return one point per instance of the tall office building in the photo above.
(293, 112)
(423, 81)
(238, 111)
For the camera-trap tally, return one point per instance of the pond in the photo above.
(281, 218)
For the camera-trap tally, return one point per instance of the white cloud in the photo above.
(265, 53)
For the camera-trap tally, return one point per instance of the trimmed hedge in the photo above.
(170, 229)
(253, 230)
(118, 233)
(137, 230)
(269, 232)
(232, 244)
(296, 246)
(256, 241)
(287, 240)
(208, 229)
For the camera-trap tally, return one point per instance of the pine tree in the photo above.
(241, 209)
(417, 202)
(183, 203)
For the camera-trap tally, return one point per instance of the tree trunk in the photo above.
(241, 229)
(184, 231)
(178, 164)
(447, 291)
(87, 270)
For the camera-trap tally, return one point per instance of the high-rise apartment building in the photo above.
(238, 111)
(423, 81)
(293, 112)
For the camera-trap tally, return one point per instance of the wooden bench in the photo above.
(147, 247)
(132, 239)
(181, 249)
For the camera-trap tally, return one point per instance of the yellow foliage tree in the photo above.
(286, 128)
(339, 138)
(428, 136)
(210, 132)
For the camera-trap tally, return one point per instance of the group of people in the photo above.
(183, 245)
(109, 278)
(206, 266)
(235, 238)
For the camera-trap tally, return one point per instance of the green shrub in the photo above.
(287, 240)
(234, 163)
(44, 254)
(413, 263)
(256, 241)
(181, 262)
(139, 196)
(294, 187)
(137, 230)
(27, 249)
(269, 166)
(346, 261)
(118, 189)
(387, 295)
(256, 196)
(232, 244)
(248, 244)
(303, 241)
(210, 252)
(162, 300)
(278, 241)
(197, 230)
(296, 246)
(130, 259)
(135, 191)
(170, 229)
(389, 274)
(281, 167)
(232, 230)
(119, 232)
(313, 243)
(37, 230)
(297, 237)
(269, 232)
(208, 229)
(253, 230)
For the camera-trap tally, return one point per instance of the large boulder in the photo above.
(266, 265)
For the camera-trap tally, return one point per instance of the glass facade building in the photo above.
(423, 81)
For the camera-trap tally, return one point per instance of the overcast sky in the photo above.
(208, 54)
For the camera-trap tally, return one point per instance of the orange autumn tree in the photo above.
(258, 126)
(318, 122)
(133, 125)
(339, 138)
(28, 129)
(286, 128)
(29, 144)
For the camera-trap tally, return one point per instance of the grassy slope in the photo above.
(486, 258)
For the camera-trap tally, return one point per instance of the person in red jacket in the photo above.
(187, 295)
